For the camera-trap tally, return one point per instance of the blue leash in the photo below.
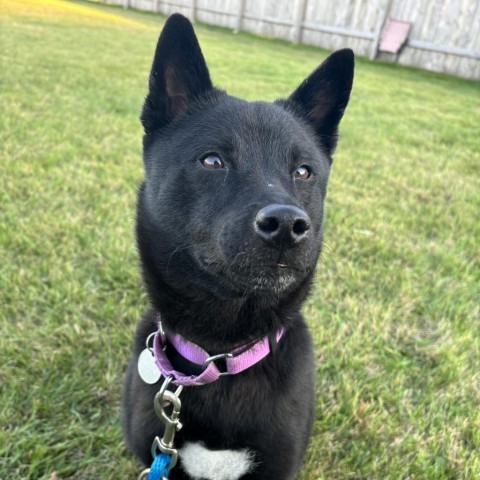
(159, 470)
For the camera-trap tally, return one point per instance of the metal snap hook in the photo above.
(144, 475)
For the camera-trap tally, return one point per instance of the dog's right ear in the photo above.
(179, 74)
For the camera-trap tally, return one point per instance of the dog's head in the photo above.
(232, 203)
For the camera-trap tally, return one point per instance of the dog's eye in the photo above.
(212, 161)
(303, 172)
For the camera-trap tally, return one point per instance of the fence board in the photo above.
(445, 34)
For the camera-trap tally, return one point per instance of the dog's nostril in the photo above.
(279, 224)
(300, 226)
(268, 225)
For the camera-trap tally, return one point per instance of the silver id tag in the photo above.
(147, 368)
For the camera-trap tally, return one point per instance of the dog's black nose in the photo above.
(282, 225)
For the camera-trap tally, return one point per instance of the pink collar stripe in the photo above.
(237, 361)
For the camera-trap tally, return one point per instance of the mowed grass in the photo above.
(395, 310)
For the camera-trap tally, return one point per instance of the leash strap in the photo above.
(158, 469)
(236, 361)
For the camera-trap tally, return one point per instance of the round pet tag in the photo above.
(147, 368)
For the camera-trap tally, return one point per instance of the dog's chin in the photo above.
(266, 283)
(246, 279)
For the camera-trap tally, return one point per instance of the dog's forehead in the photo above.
(259, 120)
(257, 128)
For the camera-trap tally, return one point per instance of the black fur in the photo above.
(208, 273)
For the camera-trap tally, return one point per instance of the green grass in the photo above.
(395, 311)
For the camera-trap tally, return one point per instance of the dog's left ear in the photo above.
(323, 96)
(179, 74)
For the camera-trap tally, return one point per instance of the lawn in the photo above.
(395, 309)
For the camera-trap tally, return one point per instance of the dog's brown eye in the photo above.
(212, 161)
(303, 172)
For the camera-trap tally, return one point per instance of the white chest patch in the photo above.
(201, 463)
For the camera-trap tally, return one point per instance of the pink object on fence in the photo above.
(394, 35)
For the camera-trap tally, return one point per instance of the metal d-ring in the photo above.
(147, 342)
(214, 358)
(163, 335)
(164, 387)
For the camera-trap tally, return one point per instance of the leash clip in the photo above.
(165, 456)
(163, 399)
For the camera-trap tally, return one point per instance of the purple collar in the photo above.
(236, 361)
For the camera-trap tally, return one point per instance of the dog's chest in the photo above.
(200, 463)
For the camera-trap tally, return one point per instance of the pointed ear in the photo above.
(322, 98)
(179, 74)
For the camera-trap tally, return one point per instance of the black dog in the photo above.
(229, 229)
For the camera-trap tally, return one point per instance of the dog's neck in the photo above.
(220, 325)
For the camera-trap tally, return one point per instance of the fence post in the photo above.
(382, 17)
(126, 3)
(157, 6)
(192, 10)
(298, 15)
(241, 9)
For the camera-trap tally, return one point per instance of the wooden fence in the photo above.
(445, 34)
